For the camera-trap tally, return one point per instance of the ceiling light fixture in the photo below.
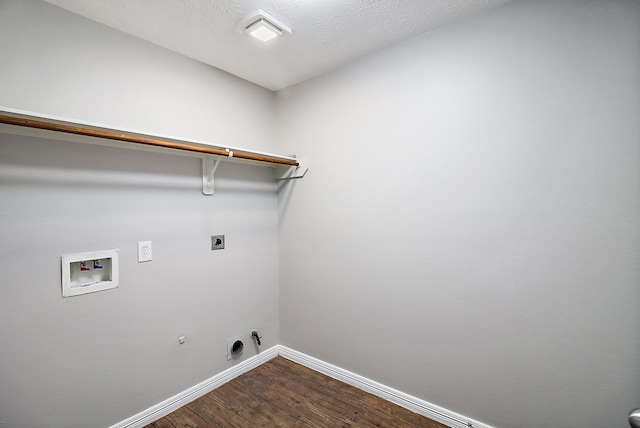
(263, 30)
(262, 26)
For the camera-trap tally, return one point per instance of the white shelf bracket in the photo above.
(209, 166)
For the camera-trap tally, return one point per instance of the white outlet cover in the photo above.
(144, 251)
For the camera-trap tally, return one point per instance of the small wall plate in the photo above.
(217, 242)
(234, 350)
(144, 251)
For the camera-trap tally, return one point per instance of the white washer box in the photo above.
(84, 273)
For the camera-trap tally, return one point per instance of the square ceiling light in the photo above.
(262, 26)
(263, 30)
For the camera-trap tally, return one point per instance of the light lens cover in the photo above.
(263, 30)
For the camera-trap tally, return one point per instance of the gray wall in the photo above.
(468, 231)
(97, 359)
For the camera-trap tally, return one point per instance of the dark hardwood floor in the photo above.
(281, 393)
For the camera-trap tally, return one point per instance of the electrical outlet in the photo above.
(144, 251)
(217, 242)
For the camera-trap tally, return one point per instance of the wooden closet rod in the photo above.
(110, 135)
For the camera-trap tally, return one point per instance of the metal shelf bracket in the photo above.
(293, 172)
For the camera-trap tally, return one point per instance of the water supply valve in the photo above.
(254, 334)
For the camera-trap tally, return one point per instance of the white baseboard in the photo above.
(169, 405)
(424, 408)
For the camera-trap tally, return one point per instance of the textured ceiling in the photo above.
(326, 33)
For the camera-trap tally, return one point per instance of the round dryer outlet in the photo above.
(235, 346)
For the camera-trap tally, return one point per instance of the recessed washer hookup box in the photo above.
(84, 273)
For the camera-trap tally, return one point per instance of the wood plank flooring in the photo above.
(281, 393)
